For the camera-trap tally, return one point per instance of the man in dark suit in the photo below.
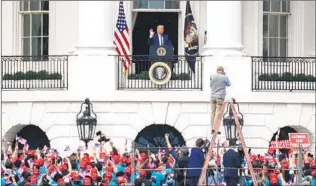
(231, 163)
(159, 38)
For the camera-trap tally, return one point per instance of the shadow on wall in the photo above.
(35, 136)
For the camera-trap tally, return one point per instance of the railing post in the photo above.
(300, 163)
(133, 163)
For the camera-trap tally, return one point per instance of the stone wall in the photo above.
(124, 120)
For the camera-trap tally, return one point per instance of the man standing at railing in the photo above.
(219, 82)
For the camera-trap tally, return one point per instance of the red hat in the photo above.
(143, 173)
(314, 173)
(312, 165)
(60, 180)
(273, 175)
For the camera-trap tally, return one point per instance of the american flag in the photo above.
(121, 37)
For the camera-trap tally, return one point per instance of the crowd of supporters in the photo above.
(168, 166)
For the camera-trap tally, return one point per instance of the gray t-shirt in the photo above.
(218, 85)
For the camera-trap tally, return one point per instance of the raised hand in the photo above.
(151, 32)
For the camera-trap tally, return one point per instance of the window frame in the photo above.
(21, 37)
(279, 38)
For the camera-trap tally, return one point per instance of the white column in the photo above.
(224, 23)
(95, 24)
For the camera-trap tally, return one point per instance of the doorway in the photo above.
(144, 22)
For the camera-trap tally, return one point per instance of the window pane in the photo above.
(26, 46)
(24, 5)
(283, 47)
(172, 4)
(265, 25)
(44, 5)
(26, 25)
(156, 4)
(273, 47)
(275, 6)
(284, 6)
(45, 46)
(266, 6)
(36, 46)
(273, 26)
(141, 4)
(36, 25)
(283, 26)
(34, 5)
(265, 47)
(45, 24)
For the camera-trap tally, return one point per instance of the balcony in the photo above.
(284, 73)
(34, 73)
(137, 77)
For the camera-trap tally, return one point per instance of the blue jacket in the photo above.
(155, 40)
(196, 161)
(231, 160)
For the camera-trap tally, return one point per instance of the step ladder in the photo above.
(241, 139)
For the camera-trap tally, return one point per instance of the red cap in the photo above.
(314, 173)
(143, 173)
(312, 165)
(60, 180)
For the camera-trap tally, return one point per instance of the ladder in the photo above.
(241, 139)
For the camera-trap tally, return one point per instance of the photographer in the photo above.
(196, 161)
(181, 155)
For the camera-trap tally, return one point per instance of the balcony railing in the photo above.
(284, 73)
(182, 78)
(30, 72)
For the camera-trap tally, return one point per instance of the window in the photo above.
(160, 4)
(35, 27)
(275, 28)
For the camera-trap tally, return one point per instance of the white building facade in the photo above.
(81, 33)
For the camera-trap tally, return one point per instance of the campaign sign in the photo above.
(282, 144)
(299, 138)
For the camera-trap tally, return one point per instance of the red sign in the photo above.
(282, 144)
(299, 138)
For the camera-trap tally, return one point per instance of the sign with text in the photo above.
(299, 138)
(282, 144)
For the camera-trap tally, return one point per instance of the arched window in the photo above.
(35, 27)
(284, 135)
(275, 28)
(35, 136)
(154, 136)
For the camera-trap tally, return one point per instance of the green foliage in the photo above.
(287, 76)
(144, 75)
(31, 75)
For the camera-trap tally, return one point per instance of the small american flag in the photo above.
(121, 37)
(21, 140)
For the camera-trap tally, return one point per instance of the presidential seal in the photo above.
(161, 51)
(160, 73)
